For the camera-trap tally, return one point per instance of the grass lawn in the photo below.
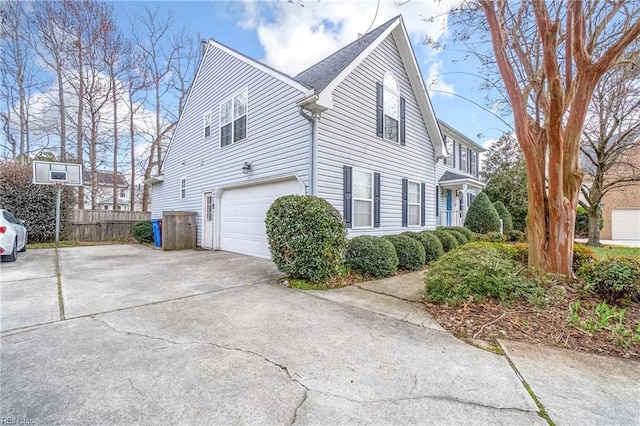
(616, 251)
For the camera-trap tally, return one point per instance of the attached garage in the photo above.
(242, 214)
(625, 224)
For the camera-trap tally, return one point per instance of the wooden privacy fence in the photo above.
(102, 225)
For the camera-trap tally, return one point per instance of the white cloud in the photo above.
(295, 37)
(435, 83)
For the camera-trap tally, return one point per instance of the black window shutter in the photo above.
(347, 196)
(469, 154)
(405, 202)
(380, 110)
(376, 200)
(402, 122)
(423, 218)
(437, 201)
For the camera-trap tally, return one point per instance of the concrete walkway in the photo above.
(153, 337)
(570, 387)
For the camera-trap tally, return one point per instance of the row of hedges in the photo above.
(307, 240)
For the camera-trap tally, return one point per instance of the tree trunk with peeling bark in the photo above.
(549, 76)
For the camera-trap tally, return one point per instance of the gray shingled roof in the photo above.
(449, 176)
(104, 178)
(324, 72)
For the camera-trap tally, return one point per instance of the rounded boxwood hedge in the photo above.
(459, 236)
(372, 256)
(503, 213)
(448, 241)
(482, 217)
(468, 234)
(616, 279)
(142, 231)
(431, 244)
(307, 237)
(411, 255)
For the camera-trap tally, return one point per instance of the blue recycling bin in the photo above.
(156, 224)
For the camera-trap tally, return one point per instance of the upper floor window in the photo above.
(233, 119)
(123, 193)
(451, 154)
(183, 188)
(463, 158)
(391, 108)
(207, 124)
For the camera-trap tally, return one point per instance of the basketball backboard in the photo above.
(46, 173)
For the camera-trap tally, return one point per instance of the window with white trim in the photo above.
(233, 119)
(413, 201)
(391, 108)
(451, 153)
(362, 199)
(183, 188)
(207, 124)
(463, 158)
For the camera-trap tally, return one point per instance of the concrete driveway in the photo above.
(199, 337)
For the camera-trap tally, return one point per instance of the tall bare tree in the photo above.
(610, 136)
(551, 55)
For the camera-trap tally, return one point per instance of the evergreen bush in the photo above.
(372, 256)
(482, 217)
(503, 213)
(143, 231)
(307, 237)
(448, 241)
(410, 252)
(431, 244)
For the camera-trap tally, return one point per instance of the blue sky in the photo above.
(290, 38)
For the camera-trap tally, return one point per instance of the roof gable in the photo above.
(342, 63)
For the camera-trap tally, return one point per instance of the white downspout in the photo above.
(313, 151)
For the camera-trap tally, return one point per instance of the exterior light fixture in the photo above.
(247, 167)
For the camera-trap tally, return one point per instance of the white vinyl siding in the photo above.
(277, 141)
(347, 136)
(362, 199)
(413, 200)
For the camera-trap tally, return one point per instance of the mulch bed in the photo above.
(491, 320)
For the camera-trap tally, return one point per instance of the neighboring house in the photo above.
(457, 177)
(105, 190)
(357, 129)
(621, 207)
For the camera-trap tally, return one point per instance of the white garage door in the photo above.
(242, 214)
(625, 224)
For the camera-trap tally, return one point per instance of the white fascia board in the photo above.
(262, 67)
(420, 91)
(325, 97)
(469, 181)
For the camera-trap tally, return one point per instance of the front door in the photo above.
(449, 207)
(207, 220)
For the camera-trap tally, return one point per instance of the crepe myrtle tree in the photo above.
(550, 56)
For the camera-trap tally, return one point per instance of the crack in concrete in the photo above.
(386, 294)
(135, 388)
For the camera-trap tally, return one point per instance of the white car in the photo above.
(13, 236)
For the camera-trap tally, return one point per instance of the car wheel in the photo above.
(14, 253)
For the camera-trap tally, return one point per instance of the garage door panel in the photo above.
(625, 224)
(242, 215)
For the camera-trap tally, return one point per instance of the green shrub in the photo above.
(459, 236)
(448, 241)
(503, 213)
(410, 252)
(477, 271)
(468, 235)
(616, 279)
(482, 217)
(480, 237)
(582, 255)
(582, 222)
(372, 256)
(35, 204)
(143, 231)
(496, 237)
(307, 237)
(516, 236)
(431, 244)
